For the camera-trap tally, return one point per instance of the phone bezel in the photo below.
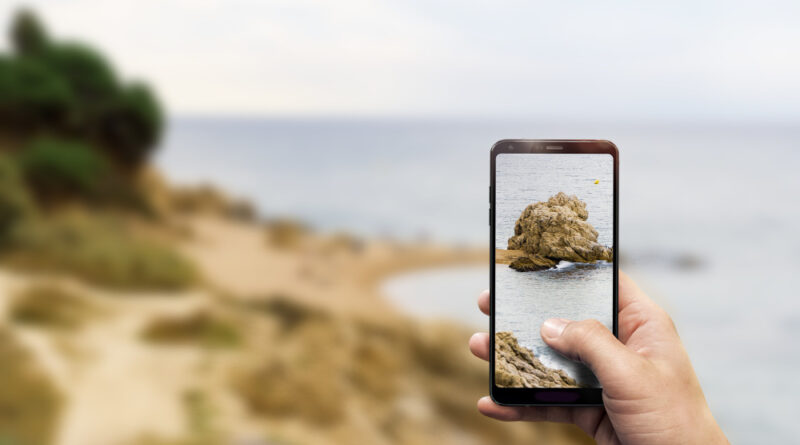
(549, 396)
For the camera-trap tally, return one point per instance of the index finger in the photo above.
(483, 302)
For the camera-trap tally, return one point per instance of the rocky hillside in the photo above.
(516, 366)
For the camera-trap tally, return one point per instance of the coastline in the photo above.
(517, 367)
(332, 271)
(504, 256)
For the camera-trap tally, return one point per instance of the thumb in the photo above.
(590, 342)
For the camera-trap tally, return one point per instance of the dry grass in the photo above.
(98, 250)
(29, 403)
(199, 328)
(206, 199)
(47, 305)
(200, 426)
(359, 380)
(285, 234)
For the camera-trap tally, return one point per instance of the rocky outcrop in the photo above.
(531, 263)
(556, 230)
(516, 367)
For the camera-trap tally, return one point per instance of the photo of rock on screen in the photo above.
(554, 216)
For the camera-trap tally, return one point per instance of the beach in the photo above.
(282, 342)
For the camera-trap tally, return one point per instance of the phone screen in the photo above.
(554, 233)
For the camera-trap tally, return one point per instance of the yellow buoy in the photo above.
(597, 181)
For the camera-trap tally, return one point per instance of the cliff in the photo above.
(516, 366)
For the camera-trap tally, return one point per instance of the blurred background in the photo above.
(266, 222)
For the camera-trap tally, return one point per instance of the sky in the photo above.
(676, 60)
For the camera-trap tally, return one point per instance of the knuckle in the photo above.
(593, 327)
(582, 334)
(667, 320)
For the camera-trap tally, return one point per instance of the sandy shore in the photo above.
(120, 389)
(502, 256)
(321, 270)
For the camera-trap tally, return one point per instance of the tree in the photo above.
(28, 36)
(131, 125)
(88, 74)
(71, 90)
(31, 95)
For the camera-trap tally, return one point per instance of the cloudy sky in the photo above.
(580, 59)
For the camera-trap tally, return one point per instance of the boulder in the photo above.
(531, 263)
(558, 230)
(516, 367)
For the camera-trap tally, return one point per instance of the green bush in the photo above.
(69, 89)
(131, 124)
(15, 202)
(55, 168)
(87, 73)
(100, 251)
(32, 95)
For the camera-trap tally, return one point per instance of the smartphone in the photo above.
(554, 254)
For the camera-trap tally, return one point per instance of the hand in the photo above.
(651, 394)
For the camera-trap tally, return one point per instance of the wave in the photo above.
(565, 265)
(578, 371)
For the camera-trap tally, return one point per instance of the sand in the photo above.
(119, 388)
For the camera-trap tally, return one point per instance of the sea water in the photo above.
(576, 292)
(725, 196)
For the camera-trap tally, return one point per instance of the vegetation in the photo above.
(285, 234)
(15, 202)
(207, 199)
(30, 404)
(57, 169)
(70, 91)
(99, 250)
(201, 430)
(200, 328)
(50, 306)
(72, 134)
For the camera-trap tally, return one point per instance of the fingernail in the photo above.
(553, 327)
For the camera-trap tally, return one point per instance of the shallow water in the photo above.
(526, 299)
(440, 293)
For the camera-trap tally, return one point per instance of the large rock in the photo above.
(531, 263)
(557, 230)
(516, 367)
